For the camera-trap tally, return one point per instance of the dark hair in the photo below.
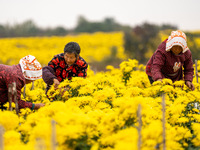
(72, 47)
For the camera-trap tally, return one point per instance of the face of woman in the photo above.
(70, 58)
(176, 49)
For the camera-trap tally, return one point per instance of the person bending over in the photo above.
(27, 71)
(65, 66)
(168, 61)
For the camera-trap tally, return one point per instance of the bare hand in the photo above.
(190, 85)
(159, 80)
(56, 83)
(37, 106)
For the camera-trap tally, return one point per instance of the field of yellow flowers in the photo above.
(100, 112)
(94, 47)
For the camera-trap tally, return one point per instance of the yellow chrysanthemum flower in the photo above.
(8, 120)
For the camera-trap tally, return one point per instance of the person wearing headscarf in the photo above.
(168, 61)
(28, 70)
(65, 66)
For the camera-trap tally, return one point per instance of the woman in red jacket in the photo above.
(65, 66)
(28, 70)
(168, 61)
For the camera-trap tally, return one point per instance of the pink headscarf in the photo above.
(177, 38)
(31, 68)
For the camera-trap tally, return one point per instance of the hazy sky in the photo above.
(51, 13)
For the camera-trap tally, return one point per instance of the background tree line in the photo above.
(140, 41)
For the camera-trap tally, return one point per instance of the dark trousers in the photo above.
(2, 107)
(150, 79)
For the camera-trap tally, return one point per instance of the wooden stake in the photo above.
(139, 115)
(10, 96)
(53, 135)
(1, 138)
(196, 70)
(15, 98)
(196, 105)
(32, 88)
(163, 121)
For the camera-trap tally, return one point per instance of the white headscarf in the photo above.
(177, 38)
(31, 68)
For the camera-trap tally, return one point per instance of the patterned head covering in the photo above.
(177, 38)
(31, 68)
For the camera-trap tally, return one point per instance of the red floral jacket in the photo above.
(8, 75)
(58, 69)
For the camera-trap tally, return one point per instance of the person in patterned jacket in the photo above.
(28, 70)
(65, 65)
(168, 61)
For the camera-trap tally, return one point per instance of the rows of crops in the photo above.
(100, 113)
(94, 47)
